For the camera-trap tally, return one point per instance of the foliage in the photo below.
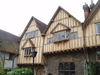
(93, 68)
(1, 68)
(21, 71)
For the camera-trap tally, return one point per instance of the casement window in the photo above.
(97, 28)
(50, 40)
(98, 55)
(73, 35)
(27, 51)
(66, 68)
(62, 35)
(32, 34)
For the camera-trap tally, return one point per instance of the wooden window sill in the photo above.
(61, 41)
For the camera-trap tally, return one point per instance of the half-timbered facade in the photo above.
(65, 46)
(31, 40)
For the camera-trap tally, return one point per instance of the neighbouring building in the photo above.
(8, 50)
(65, 46)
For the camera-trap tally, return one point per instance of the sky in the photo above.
(15, 14)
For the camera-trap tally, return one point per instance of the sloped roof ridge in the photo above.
(59, 7)
(40, 24)
(92, 13)
(8, 32)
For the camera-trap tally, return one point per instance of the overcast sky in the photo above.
(15, 14)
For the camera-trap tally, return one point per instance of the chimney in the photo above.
(86, 10)
(92, 5)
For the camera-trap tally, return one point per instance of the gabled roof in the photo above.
(9, 42)
(40, 25)
(92, 13)
(67, 28)
(59, 8)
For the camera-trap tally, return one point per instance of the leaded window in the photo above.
(98, 55)
(27, 51)
(97, 28)
(50, 40)
(31, 34)
(67, 68)
(73, 35)
(62, 35)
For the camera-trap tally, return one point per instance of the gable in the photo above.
(33, 24)
(59, 27)
(28, 43)
(61, 15)
(31, 27)
(64, 17)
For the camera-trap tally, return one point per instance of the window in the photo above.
(32, 34)
(73, 35)
(62, 35)
(50, 40)
(97, 28)
(98, 55)
(67, 68)
(27, 51)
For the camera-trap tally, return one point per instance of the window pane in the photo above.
(62, 35)
(66, 66)
(72, 66)
(98, 28)
(61, 73)
(48, 41)
(32, 34)
(60, 66)
(36, 33)
(98, 55)
(55, 36)
(66, 73)
(72, 73)
(74, 35)
(67, 35)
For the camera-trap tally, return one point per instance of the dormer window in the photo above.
(62, 35)
(31, 34)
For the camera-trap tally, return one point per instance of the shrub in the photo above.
(21, 71)
(1, 68)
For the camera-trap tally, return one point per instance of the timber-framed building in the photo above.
(65, 45)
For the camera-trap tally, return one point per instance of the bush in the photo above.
(21, 71)
(1, 68)
(93, 68)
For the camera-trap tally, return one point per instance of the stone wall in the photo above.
(77, 57)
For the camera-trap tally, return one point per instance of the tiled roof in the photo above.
(9, 42)
(40, 25)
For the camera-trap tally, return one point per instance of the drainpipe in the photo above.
(43, 35)
(84, 50)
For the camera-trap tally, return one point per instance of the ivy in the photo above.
(93, 68)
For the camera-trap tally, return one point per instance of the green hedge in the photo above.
(21, 71)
